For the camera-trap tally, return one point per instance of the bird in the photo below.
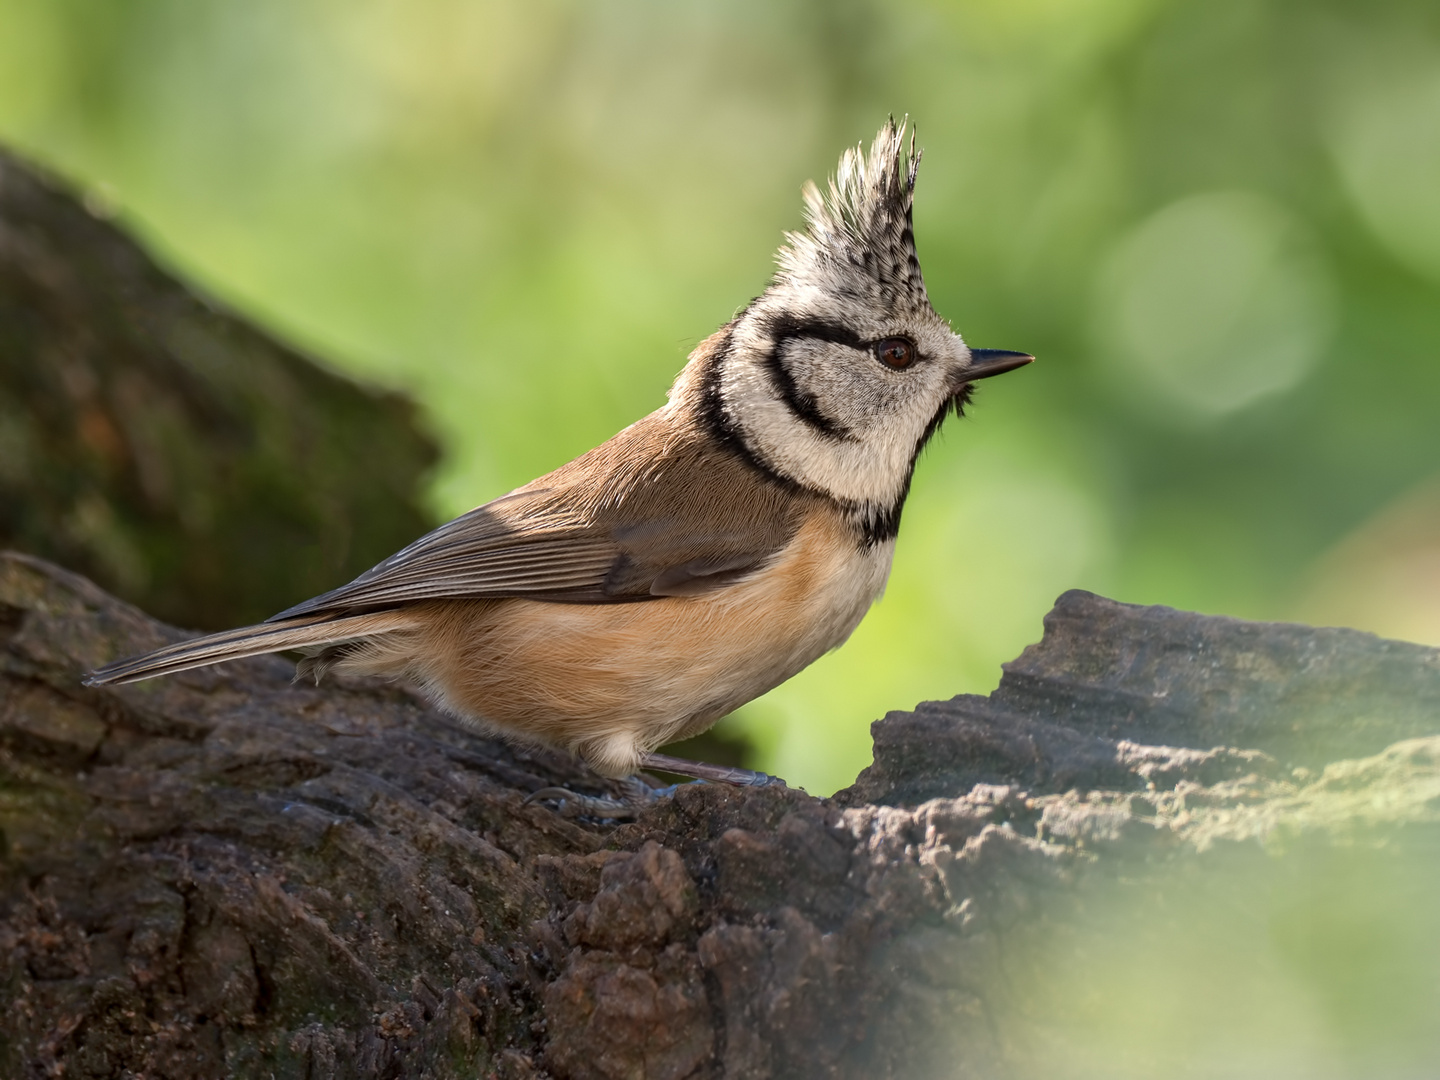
(701, 556)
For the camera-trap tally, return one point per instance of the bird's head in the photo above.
(835, 377)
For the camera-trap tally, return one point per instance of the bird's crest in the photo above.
(862, 222)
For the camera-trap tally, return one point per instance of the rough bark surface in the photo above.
(226, 874)
(169, 450)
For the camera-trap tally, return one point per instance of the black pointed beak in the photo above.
(987, 362)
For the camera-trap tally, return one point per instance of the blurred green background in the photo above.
(1318, 964)
(1217, 224)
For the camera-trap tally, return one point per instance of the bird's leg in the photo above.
(636, 794)
(716, 774)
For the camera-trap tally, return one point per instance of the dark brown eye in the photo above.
(895, 352)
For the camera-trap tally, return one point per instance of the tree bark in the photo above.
(168, 449)
(224, 873)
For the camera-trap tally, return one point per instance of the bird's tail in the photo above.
(303, 632)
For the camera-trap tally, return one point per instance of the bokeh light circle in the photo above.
(1214, 302)
(1386, 142)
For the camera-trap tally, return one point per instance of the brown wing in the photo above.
(514, 546)
(659, 510)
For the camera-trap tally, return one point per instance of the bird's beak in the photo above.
(987, 362)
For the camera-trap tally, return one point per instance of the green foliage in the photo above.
(1217, 225)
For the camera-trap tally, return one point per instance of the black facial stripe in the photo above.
(793, 326)
(874, 526)
(787, 328)
(718, 423)
(803, 405)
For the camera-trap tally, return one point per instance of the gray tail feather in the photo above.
(302, 632)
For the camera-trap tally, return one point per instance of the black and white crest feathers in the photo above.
(862, 223)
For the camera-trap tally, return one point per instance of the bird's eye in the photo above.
(895, 352)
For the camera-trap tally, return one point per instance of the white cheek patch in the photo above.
(852, 388)
(871, 467)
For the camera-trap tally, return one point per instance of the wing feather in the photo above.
(601, 529)
(479, 555)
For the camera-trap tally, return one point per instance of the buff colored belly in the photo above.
(612, 681)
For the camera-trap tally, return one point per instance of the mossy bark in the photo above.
(168, 449)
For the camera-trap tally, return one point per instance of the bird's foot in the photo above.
(636, 794)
